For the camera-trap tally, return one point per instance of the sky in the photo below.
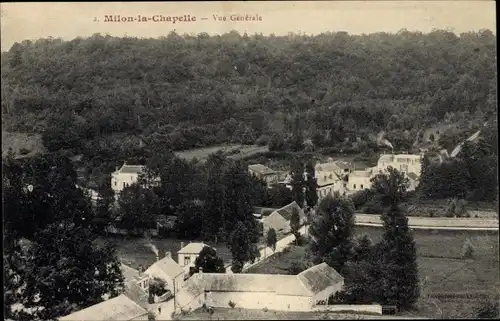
(21, 21)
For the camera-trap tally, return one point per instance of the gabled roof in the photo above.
(286, 211)
(332, 166)
(412, 176)
(130, 169)
(119, 308)
(165, 267)
(192, 248)
(386, 158)
(261, 169)
(319, 277)
(275, 221)
(130, 274)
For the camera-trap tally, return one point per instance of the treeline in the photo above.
(335, 89)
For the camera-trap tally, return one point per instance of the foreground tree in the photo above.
(83, 273)
(209, 261)
(243, 247)
(271, 239)
(137, 207)
(332, 231)
(398, 255)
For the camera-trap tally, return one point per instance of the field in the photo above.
(235, 151)
(448, 280)
(248, 314)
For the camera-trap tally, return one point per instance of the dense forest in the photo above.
(111, 98)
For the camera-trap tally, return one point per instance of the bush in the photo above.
(232, 304)
(24, 151)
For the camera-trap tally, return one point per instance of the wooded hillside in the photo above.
(100, 95)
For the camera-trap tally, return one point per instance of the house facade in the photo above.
(126, 176)
(187, 255)
(359, 180)
(257, 291)
(406, 163)
(265, 173)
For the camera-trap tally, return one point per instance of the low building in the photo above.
(264, 173)
(257, 291)
(118, 308)
(169, 271)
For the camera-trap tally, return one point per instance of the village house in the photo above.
(359, 180)
(286, 212)
(257, 291)
(275, 221)
(118, 308)
(187, 255)
(337, 168)
(126, 176)
(169, 271)
(264, 173)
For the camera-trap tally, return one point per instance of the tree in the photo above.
(157, 287)
(311, 185)
(295, 224)
(209, 261)
(398, 252)
(489, 309)
(271, 239)
(190, 219)
(83, 275)
(298, 182)
(390, 188)
(214, 198)
(331, 231)
(363, 248)
(138, 207)
(280, 195)
(242, 248)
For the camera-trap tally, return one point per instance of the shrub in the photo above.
(151, 316)
(232, 304)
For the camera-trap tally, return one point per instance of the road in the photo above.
(438, 223)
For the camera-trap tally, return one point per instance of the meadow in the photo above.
(451, 285)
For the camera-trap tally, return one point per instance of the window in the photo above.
(354, 186)
(116, 183)
(123, 184)
(361, 187)
(131, 178)
(187, 260)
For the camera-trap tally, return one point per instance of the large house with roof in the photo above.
(280, 218)
(406, 163)
(264, 173)
(257, 291)
(118, 308)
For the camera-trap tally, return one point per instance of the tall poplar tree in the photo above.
(298, 182)
(311, 185)
(332, 232)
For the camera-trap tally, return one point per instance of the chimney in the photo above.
(200, 272)
(168, 254)
(140, 269)
(157, 258)
(182, 245)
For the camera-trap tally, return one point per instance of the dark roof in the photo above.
(261, 169)
(412, 176)
(132, 169)
(286, 211)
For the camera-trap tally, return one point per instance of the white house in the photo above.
(126, 176)
(188, 254)
(359, 180)
(257, 291)
(406, 163)
(118, 308)
(169, 271)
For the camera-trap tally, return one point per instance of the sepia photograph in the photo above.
(250, 160)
